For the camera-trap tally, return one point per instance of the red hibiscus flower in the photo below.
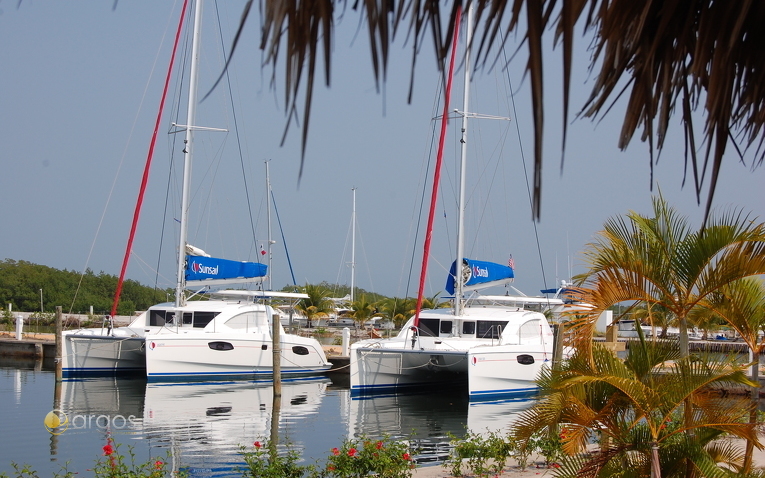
(352, 452)
(108, 450)
(335, 451)
(257, 444)
(158, 464)
(406, 456)
(379, 445)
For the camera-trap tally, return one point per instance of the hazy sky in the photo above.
(79, 89)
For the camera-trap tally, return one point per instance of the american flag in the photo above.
(511, 262)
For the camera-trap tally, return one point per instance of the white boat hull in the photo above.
(506, 366)
(204, 356)
(88, 354)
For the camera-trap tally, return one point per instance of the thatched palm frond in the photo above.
(667, 57)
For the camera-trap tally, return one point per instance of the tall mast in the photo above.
(458, 280)
(268, 219)
(353, 243)
(180, 298)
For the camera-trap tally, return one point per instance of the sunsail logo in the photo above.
(478, 272)
(200, 269)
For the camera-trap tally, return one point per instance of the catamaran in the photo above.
(227, 336)
(488, 346)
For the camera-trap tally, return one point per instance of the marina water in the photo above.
(203, 425)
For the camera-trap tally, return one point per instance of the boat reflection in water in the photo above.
(208, 422)
(203, 424)
(105, 403)
(428, 420)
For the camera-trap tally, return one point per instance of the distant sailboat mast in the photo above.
(353, 243)
(268, 219)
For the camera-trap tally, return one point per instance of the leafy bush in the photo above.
(264, 461)
(483, 455)
(359, 458)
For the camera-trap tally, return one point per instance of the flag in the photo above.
(511, 262)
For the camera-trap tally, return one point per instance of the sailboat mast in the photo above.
(268, 219)
(458, 299)
(353, 243)
(180, 298)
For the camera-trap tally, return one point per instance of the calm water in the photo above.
(203, 424)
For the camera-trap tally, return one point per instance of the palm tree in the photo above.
(395, 309)
(657, 316)
(317, 305)
(663, 56)
(742, 305)
(635, 406)
(660, 261)
(362, 310)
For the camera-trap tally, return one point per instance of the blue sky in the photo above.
(79, 90)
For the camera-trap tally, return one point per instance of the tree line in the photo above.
(21, 283)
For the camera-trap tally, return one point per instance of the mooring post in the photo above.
(558, 344)
(277, 348)
(346, 342)
(59, 344)
(19, 327)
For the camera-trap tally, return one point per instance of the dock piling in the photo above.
(59, 344)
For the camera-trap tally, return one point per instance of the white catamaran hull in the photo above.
(90, 352)
(204, 356)
(505, 366)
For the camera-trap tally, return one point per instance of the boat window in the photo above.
(490, 329)
(157, 317)
(187, 318)
(247, 320)
(468, 328)
(299, 350)
(525, 359)
(429, 327)
(446, 327)
(201, 319)
(220, 346)
(529, 330)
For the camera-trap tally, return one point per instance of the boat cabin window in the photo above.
(490, 329)
(201, 319)
(529, 330)
(161, 317)
(429, 327)
(188, 318)
(468, 328)
(247, 320)
(446, 327)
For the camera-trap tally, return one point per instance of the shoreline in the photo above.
(537, 468)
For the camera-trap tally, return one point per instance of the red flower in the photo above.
(331, 467)
(406, 456)
(335, 451)
(379, 445)
(352, 452)
(257, 444)
(108, 450)
(158, 465)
